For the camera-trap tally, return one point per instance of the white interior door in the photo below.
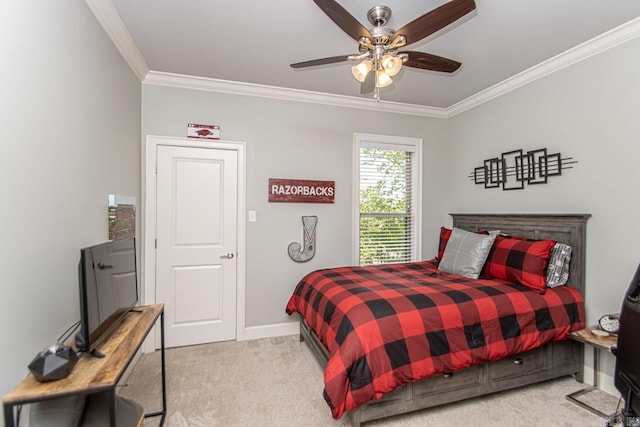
(196, 232)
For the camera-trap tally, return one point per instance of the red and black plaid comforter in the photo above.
(388, 325)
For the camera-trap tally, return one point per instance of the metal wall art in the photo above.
(513, 169)
(299, 254)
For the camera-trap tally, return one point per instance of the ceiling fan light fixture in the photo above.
(378, 46)
(391, 64)
(361, 70)
(383, 79)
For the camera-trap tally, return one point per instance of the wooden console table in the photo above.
(92, 374)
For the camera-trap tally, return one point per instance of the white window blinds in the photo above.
(387, 214)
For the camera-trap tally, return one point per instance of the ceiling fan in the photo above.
(379, 47)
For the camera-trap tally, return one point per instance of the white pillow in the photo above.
(466, 253)
(558, 269)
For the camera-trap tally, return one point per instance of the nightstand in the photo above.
(598, 343)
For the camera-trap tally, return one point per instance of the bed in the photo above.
(546, 354)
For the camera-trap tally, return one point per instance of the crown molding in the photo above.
(107, 15)
(287, 94)
(596, 45)
(112, 23)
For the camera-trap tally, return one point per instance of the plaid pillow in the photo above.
(445, 233)
(519, 261)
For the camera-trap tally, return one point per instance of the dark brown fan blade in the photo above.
(322, 61)
(426, 61)
(369, 83)
(343, 19)
(435, 20)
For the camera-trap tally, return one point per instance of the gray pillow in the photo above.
(96, 414)
(466, 253)
(63, 412)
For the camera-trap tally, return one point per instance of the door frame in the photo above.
(148, 226)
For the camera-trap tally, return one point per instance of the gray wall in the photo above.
(296, 140)
(588, 111)
(70, 129)
(70, 132)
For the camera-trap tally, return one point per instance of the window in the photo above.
(387, 220)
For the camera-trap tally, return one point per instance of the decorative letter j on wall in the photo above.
(309, 227)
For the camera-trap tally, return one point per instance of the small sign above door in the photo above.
(195, 130)
(301, 191)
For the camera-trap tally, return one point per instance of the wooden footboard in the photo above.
(549, 361)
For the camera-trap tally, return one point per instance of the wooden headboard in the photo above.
(564, 228)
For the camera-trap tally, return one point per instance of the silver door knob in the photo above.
(228, 256)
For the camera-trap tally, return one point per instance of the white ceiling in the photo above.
(254, 41)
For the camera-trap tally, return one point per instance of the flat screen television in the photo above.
(108, 289)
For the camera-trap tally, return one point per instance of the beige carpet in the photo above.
(278, 382)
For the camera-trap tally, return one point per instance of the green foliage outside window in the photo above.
(385, 206)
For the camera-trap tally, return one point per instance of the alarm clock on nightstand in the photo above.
(609, 323)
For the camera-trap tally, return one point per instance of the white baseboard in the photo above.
(268, 331)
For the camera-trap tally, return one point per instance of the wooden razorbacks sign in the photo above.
(301, 191)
